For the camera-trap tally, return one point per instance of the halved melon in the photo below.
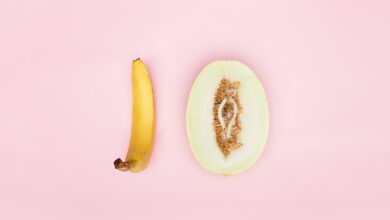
(227, 117)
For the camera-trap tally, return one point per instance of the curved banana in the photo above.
(142, 131)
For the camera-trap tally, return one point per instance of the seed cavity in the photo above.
(227, 110)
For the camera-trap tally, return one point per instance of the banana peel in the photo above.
(142, 131)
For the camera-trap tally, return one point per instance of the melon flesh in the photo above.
(253, 118)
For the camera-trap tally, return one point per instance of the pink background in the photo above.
(65, 108)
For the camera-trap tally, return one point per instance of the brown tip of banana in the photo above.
(122, 166)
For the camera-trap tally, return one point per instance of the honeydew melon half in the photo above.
(227, 117)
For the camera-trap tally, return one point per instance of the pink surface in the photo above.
(65, 113)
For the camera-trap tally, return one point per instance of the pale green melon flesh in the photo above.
(254, 118)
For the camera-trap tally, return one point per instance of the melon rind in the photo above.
(254, 118)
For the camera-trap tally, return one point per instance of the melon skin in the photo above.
(254, 118)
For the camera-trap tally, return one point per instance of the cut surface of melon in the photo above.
(246, 109)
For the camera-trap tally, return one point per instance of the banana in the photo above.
(142, 131)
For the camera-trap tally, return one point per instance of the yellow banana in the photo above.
(142, 131)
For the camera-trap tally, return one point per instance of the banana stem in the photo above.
(122, 165)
